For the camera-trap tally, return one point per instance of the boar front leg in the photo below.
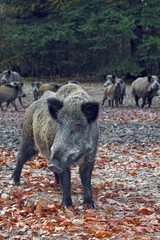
(116, 103)
(85, 174)
(20, 101)
(56, 177)
(136, 100)
(112, 103)
(65, 180)
(1, 107)
(149, 101)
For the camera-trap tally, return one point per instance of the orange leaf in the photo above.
(133, 173)
(102, 234)
(3, 160)
(146, 211)
(44, 206)
(117, 229)
(92, 229)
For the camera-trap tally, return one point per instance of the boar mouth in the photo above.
(56, 166)
(74, 160)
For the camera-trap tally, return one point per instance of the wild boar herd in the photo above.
(144, 88)
(62, 125)
(114, 89)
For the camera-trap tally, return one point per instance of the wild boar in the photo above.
(110, 79)
(48, 86)
(112, 92)
(63, 127)
(35, 89)
(8, 77)
(145, 88)
(9, 93)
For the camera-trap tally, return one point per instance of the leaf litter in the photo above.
(125, 180)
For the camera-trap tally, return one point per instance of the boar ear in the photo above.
(9, 72)
(54, 105)
(149, 78)
(113, 78)
(90, 110)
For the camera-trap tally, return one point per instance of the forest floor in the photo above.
(126, 179)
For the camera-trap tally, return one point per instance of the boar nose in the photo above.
(35, 88)
(156, 85)
(3, 81)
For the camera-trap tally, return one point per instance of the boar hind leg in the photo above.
(26, 152)
(65, 180)
(109, 103)
(14, 105)
(85, 174)
(56, 177)
(136, 100)
(103, 101)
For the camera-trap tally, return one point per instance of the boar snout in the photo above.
(155, 85)
(23, 95)
(3, 81)
(64, 158)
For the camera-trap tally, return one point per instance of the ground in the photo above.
(125, 179)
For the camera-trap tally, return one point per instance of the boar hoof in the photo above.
(67, 203)
(90, 204)
(55, 167)
(16, 181)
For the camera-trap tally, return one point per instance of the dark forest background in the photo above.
(49, 38)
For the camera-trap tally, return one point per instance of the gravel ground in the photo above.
(120, 125)
(128, 161)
